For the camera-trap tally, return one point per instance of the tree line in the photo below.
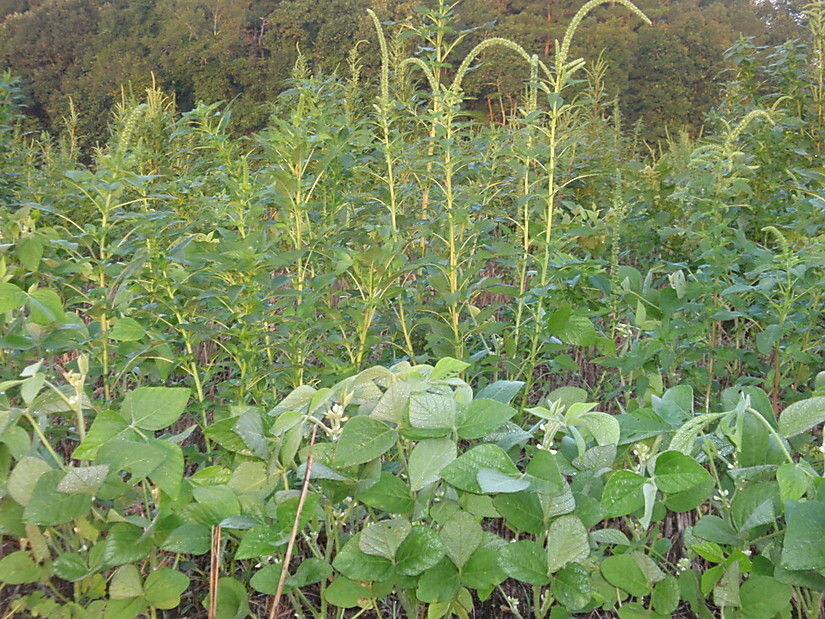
(88, 51)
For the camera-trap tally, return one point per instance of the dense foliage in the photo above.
(226, 50)
(382, 356)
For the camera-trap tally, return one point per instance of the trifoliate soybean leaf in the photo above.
(447, 367)
(124, 544)
(609, 536)
(676, 405)
(383, 538)
(726, 592)
(432, 411)
(571, 587)
(802, 548)
(463, 471)
(566, 542)
(363, 439)
(265, 580)
(83, 479)
(604, 428)
(439, 583)
(665, 598)
(690, 499)
(482, 570)
(525, 560)
(572, 328)
(11, 297)
(164, 586)
(154, 408)
(233, 599)
(353, 563)
(461, 535)
(427, 459)
(45, 307)
(544, 474)
(623, 572)
(126, 583)
(492, 481)
(189, 538)
(106, 427)
(755, 505)
(684, 439)
(345, 593)
(623, 494)
(393, 403)
(676, 472)
(482, 417)
(71, 567)
(297, 400)
(478, 505)
(261, 540)
(388, 494)
(309, 572)
(764, 597)
(127, 608)
(521, 510)
(715, 529)
(127, 330)
(420, 550)
(710, 551)
(501, 390)
(24, 477)
(794, 480)
(18, 568)
(49, 507)
(29, 251)
(249, 426)
(11, 518)
(648, 566)
(801, 416)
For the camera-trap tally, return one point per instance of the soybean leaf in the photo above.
(623, 494)
(492, 481)
(483, 416)
(432, 411)
(427, 459)
(571, 587)
(420, 550)
(383, 538)
(84, 479)
(461, 535)
(623, 572)
(463, 471)
(676, 472)
(566, 542)
(18, 568)
(163, 587)
(389, 494)
(482, 569)
(447, 367)
(11, 297)
(23, 478)
(803, 548)
(49, 507)
(439, 583)
(501, 390)
(521, 510)
(154, 408)
(363, 439)
(801, 416)
(526, 561)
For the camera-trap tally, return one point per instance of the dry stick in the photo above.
(304, 488)
(214, 564)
